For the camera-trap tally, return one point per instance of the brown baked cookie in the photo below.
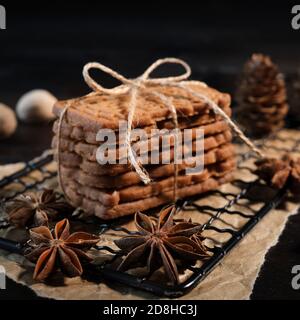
(77, 133)
(156, 170)
(132, 178)
(137, 192)
(211, 156)
(96, 110)
(208, 129)
(91, 207)
(71, 159)
(89, 152)
(69, 144)
(220, 152)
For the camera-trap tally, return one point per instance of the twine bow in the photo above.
(132, 87)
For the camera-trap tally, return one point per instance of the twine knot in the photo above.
(132, 87)
(140, 82)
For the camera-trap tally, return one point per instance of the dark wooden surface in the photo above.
(47, 49)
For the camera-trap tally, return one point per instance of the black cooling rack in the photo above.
(105, 272)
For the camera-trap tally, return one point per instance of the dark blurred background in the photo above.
(47, 43)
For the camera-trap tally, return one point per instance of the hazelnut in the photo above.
(36, 106)
(8, 121)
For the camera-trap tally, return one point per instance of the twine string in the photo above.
(219, 111)
(168, 102)
(58, 147)
(133, 87)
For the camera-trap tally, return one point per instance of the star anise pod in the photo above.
(59, 249)
(199, 239)
(35, 207)
(278, 172)
(161, 242)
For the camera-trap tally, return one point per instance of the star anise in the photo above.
(59, 249)
(161, 242)
(35, 207)
(278, 172)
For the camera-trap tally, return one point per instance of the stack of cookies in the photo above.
(113, 190)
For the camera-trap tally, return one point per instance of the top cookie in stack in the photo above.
(114, 190)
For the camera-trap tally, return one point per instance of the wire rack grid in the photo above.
(237, 204)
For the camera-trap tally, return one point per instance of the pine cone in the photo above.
(261, 96)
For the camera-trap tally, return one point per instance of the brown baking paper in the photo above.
(233, 278)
